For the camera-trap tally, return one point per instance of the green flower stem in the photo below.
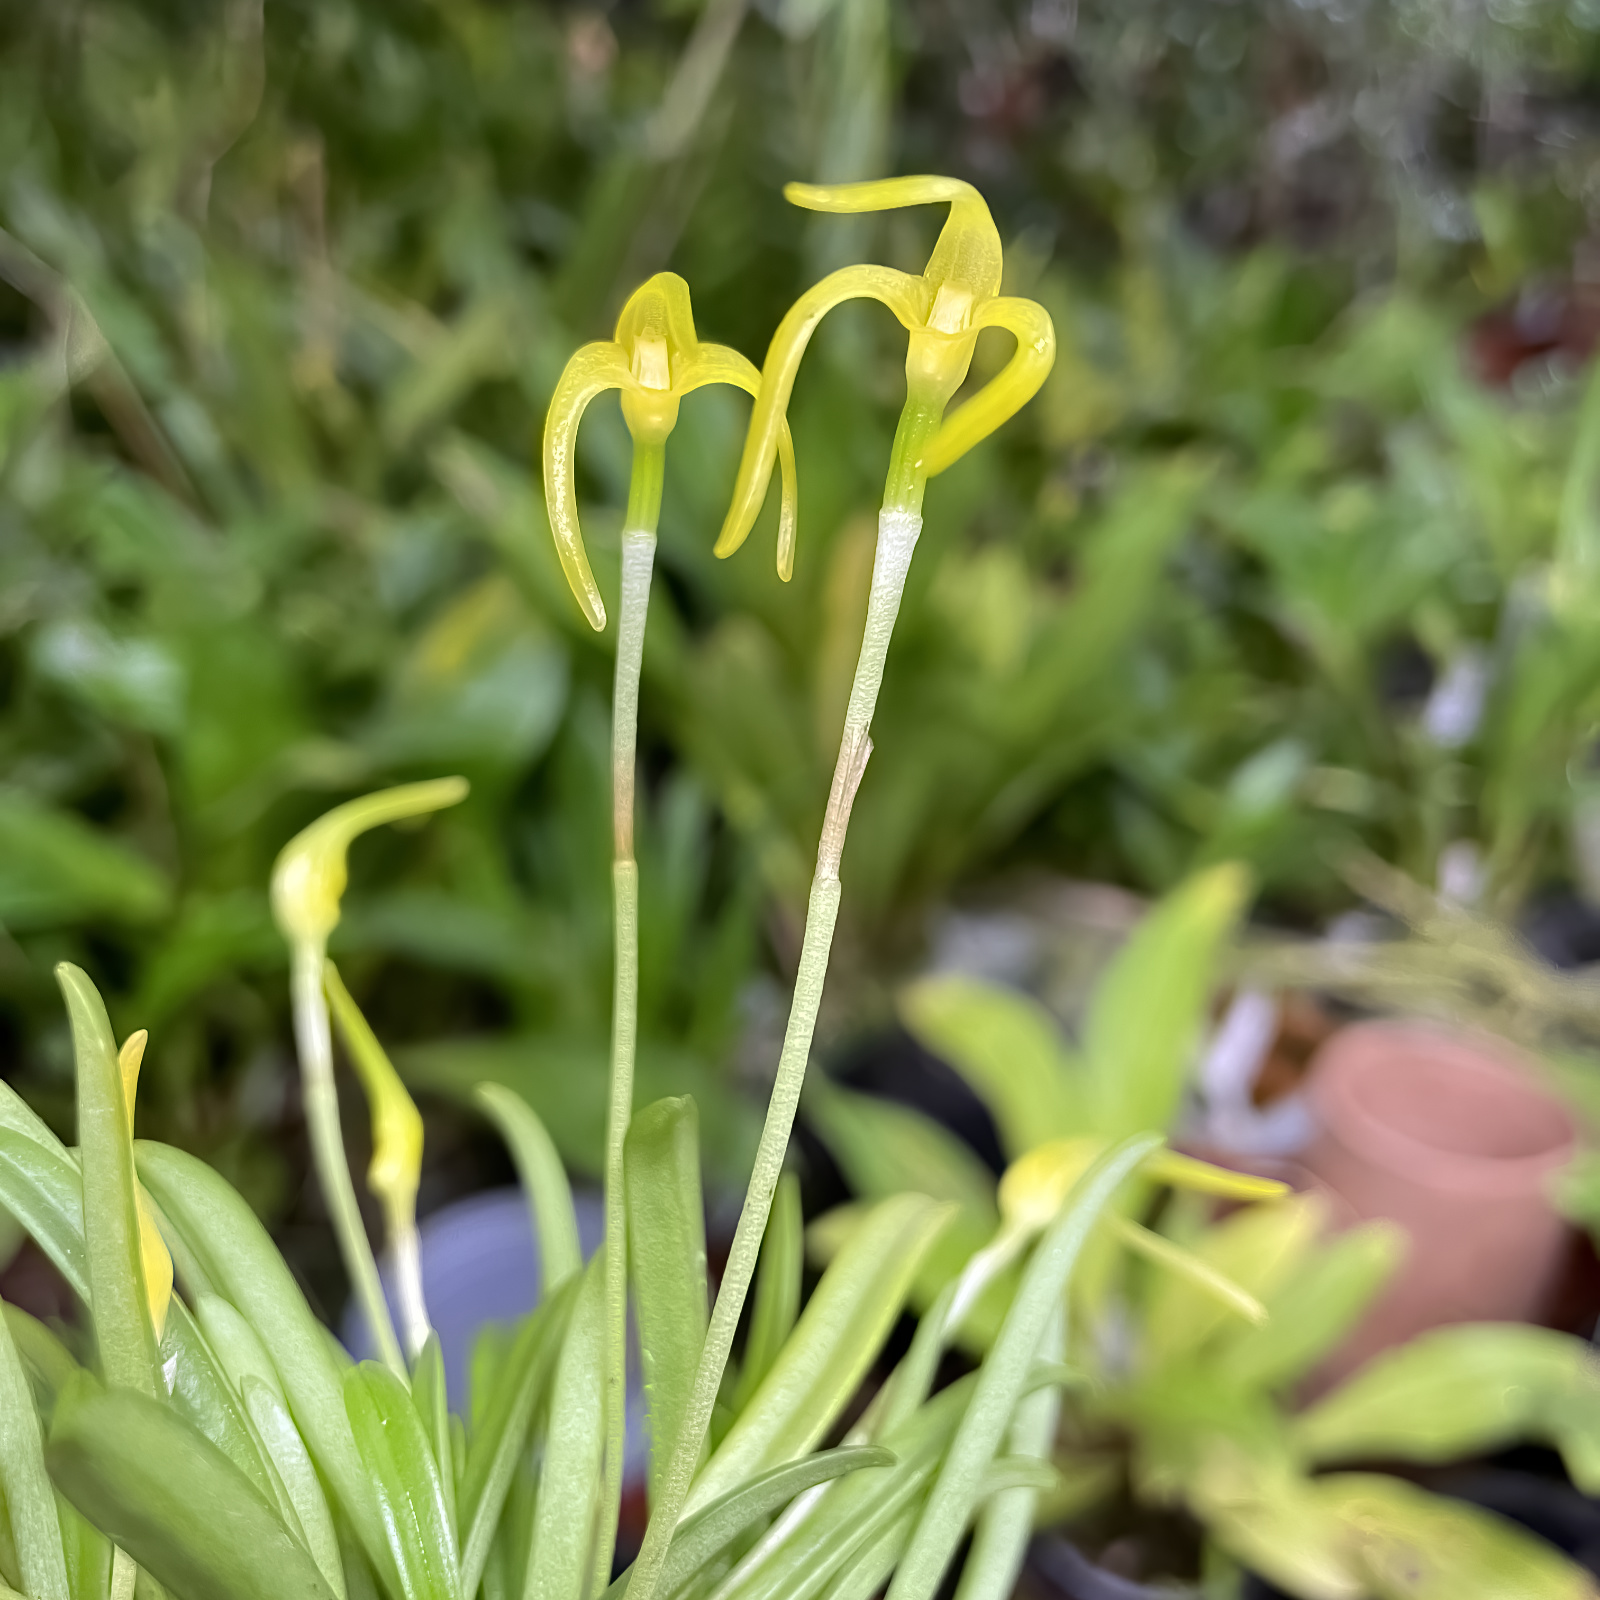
(638, 559)
(899, 524)
(315, 1043)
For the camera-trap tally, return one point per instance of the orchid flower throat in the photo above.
(654, 360)
(943, 309)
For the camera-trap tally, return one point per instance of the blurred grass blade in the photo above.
(1412, 1545)
(667, 1249)
(399, 1457)
(779, 1275)
(236, 1254)
(125, 1336)
(569, 1481)
(298, 1476)
(1314, 1308)
(29, 1501)
(507, 1412)
(1002, 1377)
(1009, 1049)
(1465, 1391)
(104, 1450)
(834, 1342)
(1148, 1008)
(544, 1182)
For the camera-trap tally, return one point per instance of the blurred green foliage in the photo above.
(285, 291)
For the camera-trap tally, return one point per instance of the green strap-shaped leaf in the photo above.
(398, 1454)
(1003, 1376)
(124, 1334)
(173, 1501)
(701, 1539)
(667, 1251)
(87, 1550)
(1462, 1391)
(203, 1396)
(569, 1482)
(235, 1343)
(236, 1254)
(1005, 1524)
(520, 1382)
(45, 1359)
(544, 1182)
(28, 1499)
(777, 1293)
(1411, 1545)
(428, 1395)
(1148, 1009)
(40, 1187)
(287, 1450)
(833, 1344)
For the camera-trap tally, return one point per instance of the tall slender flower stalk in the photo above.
(655, 359)
(944, 309)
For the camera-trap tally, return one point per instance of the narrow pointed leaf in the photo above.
(779, 1276)
(834, 1342)
(667, 1250)
(569, 1483)
(28, 1500)
(433, 1408)
(40, 1187)
(520, 1382)
(242, 1261)
(396, 1452)
(544, 1182)
(102, 1451)
(124, 1335)
(287, 1449)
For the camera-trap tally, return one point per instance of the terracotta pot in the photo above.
(1450, 1136)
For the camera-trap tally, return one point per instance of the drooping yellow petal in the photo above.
(152, 1249)
(310, 873)
(904, 295)
(1184, 1172)
(1205, 1277)
(592, 370)
(1009, 390)
(967, 255)
(716, 363)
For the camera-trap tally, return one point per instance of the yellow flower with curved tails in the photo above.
(944, 310)
(655, 359)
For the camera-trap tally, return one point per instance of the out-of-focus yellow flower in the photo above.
(655, 360)
(309, 876)
(152, 1250)
(944, 310)
(1035, 1186)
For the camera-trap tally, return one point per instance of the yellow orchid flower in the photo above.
(944, 309)
(308, 881)
(655, 359)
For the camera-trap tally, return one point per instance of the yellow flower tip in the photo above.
(309, 877)
(1185, 1172)
(129, 1058)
